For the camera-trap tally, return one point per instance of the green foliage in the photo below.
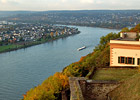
(1, 43)
(103, 57)
(104, 40)
(125, 29)
(9, 47)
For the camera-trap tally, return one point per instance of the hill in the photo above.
(116, 19)
(12, 13)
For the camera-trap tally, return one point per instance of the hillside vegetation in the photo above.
(51, 88)
(116, 74)
(129, 90)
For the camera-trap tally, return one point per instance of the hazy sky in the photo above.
(43, 5)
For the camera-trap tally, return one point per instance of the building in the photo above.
(125, 51)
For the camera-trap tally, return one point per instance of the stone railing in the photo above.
(75, 89)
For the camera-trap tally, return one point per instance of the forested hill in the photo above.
(4, 14)
(116, 19)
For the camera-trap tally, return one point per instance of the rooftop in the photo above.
(129, 36)
(126, 39)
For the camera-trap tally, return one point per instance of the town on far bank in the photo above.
(27, 34)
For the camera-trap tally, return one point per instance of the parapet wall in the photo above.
(97, 90)
(75, 89)
(82, 89)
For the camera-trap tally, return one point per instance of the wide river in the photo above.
(24, 69)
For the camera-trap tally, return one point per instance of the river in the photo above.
(26, 68)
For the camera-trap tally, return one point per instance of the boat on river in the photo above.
(84, 47)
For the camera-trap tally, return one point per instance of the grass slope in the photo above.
(117, 74)
(9, 47)
(129, 90)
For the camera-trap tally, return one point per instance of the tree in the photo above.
(1, 43)
(135, 29)
(125, 29)
(48, 36)
(21, 39)
(51, 34)
(56, 33)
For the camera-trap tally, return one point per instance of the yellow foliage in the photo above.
(62, 78)
(53, 85)
(51, 34)
(56, 33)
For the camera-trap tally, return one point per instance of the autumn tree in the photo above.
(51, 34)
(56, 33)
(135, 29)
(47, 90)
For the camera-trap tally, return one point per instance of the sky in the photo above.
(45, 5)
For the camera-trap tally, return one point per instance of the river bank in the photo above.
(96, 26)
(22, 45)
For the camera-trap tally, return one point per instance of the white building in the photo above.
(125, 51)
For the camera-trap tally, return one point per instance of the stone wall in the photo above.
(98, 90)
(82, 89)
(75, 89)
